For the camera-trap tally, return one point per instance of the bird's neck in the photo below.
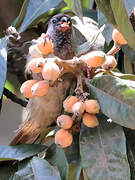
(63, 44)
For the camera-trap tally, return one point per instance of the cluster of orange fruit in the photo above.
(86, 110)
(37, 64)
(50, 71)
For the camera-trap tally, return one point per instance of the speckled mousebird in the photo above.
(43, 111)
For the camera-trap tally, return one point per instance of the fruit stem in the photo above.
(79, 87)
(114, 50)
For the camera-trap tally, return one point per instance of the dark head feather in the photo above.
(60, 32)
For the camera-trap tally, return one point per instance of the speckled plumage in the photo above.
(62, 40)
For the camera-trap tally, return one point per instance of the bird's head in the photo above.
(60, 23)
(60, 32)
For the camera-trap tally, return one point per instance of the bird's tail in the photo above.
(27, 134)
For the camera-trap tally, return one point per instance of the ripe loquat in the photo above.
(50, 71)
(94, 58)
(40, 88)
(118, 38)
(110, 63)
(63, 138)
(78, 108)
(92, 106)
(64, 121)
(69, 102)
(90, 120)
(26, 88)
(34, 51)
(45, 45)
(36, 65)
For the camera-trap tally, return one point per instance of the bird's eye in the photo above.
(54, 21)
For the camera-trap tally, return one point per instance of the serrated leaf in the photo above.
(116, 99)
(107, 33)
(103, 152)
(106, 9)
(75, 6)
(36, 168)
(20, 152)
(123, 22)
(3, 63)
(36, 9)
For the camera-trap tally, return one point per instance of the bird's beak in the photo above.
(64, 26)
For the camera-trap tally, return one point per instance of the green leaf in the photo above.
(83, 48)
(21, 16)
(73, 158)
(129, 6)
(129, 52)
(85, 3)
(51, 154)
(36, 168)
(75, 6)
(3, 63)
(127, 65)
(20, 152)
(130, 136)
(103, 151)
(107, 33)
(123, 22)
(36, 9)
(67, 161)
(106, 9)
(91, 13)
(7, 170)
(116, 99)
(62, 163)
(125, 76)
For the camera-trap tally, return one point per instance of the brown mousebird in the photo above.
(43, 111)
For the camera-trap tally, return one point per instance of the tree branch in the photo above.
(14, 98)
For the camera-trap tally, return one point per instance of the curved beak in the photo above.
(64, 26)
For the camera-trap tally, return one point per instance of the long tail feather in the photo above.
(28, 134)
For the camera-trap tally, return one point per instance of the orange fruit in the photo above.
(90, 120)
(40, 88)
(94, 58)
(51, 71)
(63, 138)
(92, 106)
(64, 121)
(26, 88)
(34, 51)
(78, 108)
(110, 63)
(45, 45)
(36, 65)
(69, 102)
(118, 37)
